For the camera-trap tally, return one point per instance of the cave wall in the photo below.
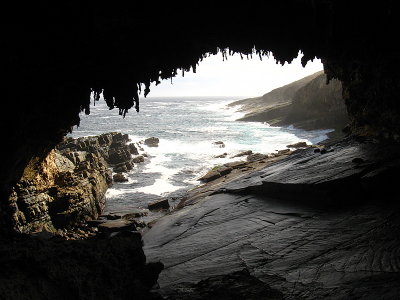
(59, 54)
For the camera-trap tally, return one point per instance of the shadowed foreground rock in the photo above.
(101, 268)
(312, 225)
(239, 285)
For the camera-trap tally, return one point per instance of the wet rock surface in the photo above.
(310, 225)
(152, 142)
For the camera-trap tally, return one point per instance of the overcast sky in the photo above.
(235, 77)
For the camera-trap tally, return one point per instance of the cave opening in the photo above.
(194, 117)
(256, 245)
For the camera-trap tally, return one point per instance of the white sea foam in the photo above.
(187, 128)
(160, 187)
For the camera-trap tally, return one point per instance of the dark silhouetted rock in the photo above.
(152, 142)
(159, 204)
(298, 145)
(132, 149)
(119, 177)
(138, 159)
(219, 144)
(237, 285)
(99, 268)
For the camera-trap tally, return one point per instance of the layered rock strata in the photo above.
(314, 224)
(69, 185)
(309, 103)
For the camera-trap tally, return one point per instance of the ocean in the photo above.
(186, 128)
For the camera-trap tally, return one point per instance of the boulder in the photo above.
(120, 168)
(119, 177)
(152, 142)
(159, 204)
(118, 156)
(210, 176)
(138, 159)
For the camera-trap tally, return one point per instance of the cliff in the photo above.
(59, 255)
(309, 103)
(68, 186)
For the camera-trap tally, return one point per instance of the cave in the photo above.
(56, 55)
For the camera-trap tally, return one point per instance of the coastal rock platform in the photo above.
(315, 224)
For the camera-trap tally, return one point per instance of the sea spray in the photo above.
(187, 128)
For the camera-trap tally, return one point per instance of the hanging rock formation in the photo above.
(60, 57)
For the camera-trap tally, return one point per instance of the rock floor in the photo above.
(304, 249)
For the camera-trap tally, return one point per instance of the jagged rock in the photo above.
(69, 185)
(119, 177)
(138, 159)
(244, 153)
(152, 142)
(284, 151)
(216, 173)
(235, 164)
(120, 168)
(59, 191)
(298, 145)
(256, 156)
(132, 149)
(223, 155)
(210, 176)
(159, 204)
(118, 156)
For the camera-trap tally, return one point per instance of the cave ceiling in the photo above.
(121, 49)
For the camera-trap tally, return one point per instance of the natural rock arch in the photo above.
(57, 54)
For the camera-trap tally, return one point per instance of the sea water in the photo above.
(187, 128)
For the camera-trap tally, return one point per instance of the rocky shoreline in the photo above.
(81, 254)
(313, 223)
(254, 208)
